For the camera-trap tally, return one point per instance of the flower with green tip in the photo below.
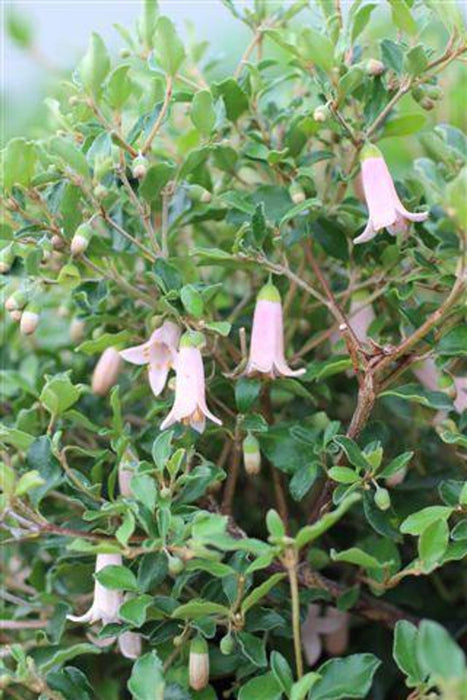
(385, 208)
(198, 665)
(267, 337)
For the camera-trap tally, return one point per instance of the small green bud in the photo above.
(427, 104)
(100, 191)
(7, 258)
(321, 114)
(375, 67)
(434, 91)
(29, 319)
(139, 167)
(251, 455)
(16, 301)
(175, 565)
(297, 195)
(178, 640)
(382, 498)
(227, 645)
(198, 669)
(124, 53)
(199, 194)
(81, 238)
(165, 492)
(370, 151)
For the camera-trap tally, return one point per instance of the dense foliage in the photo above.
(300, 530)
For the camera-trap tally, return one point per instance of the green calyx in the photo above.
(269, 293)
(370, 151)
(198, 645)
(192, 339)
(250, 444)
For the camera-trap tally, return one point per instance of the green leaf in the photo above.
(459, 532)
(119, 87)
(222, 328)
(274, 524)
(234, 98)
(352, 451)
(192, 300)
(303, 480)
(143, 488)
(94, 65)
(322, 369)
(126, 529)
(19, 28)
(343, 475)
(454, 342)
(432, 544)
(117, 578)
(301, 687)
(281, 671)
(157, 176)
(316, 48)
(169, 49)
(55, 656)
(402, 16)
(398, 463)
(202, 112)
(59, 394)
(416, 523)
(342, 679)
(18, 163)
(134, 610)
(246, 392)
(71, 683)
(360, 20)
(418, 394)
(416, 60)
(312, 532)
(17, 438)
(28, 481)
(71, 156)
(438, 654)
(147, 24)
(199, 608)
(263, 687)
(260, 591)
(404, 652)
(252, 648)
(147, 680)
(357, 556)
(403, 125)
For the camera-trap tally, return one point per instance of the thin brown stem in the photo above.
(158, 123)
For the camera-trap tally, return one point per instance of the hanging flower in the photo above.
(330, 629)
(267, 337)
(126, 471)
(384, 206)
(190, 399)
(460, 402)
(106, 372)
(106, 602)
(158, 353)
(130, 645)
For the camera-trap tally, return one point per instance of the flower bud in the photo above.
(321, 114)
(382, 498)
(16, 314)
(129, 644)
(7, 258)
(296, 192)
(16, 301)
(124, 53)
(77, 327)
(397, 478)
(139, 167)
(251, 455)
(81, 238)
(100, 191)
(198, 663)
(106, 372)
(175, 565)
(29, 320)
(57, 242)
(427, 104)
(375, 67)
(434, 91)
(227, 645)
(199, 194)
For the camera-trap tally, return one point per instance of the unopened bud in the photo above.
(434, 91)
(81, 238)
(296, 192)
(29, 320)
(227, 645)
(124, 53)
(321, 114)
(175, 565)
(382, 498)
(16, 314)
(139, 167)
(77, 327)
(397, 478)
(375, 67)
(126, 471)
(7, 258)
(427, 104)
(251, 455)
(100, 191)
(198, 663)
(106, 372)
(199, 194)
(17, 300)
(129, 644)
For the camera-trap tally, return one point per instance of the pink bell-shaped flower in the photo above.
(106, 602)
(267, 337)
(158, 353)
(331, 628)
(130, 645)
(190, 395)
(385, 208)
(106, 372)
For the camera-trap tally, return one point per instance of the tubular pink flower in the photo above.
(314, 628)
(129, 644)
(267, 337)
(158, 353)
(106, 603)
(106, 372)
(460, 403)
(384, 206)
(190, 398)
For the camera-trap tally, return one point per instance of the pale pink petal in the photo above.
(367, 234)
(380, 193)
(280, 364)
(460, 403)
(106, 371)
(137, 355)
(263, 338)
(427, 374)
(361, 316)
(124, 479)
(399, 226)
(158, 378)
(87, 617)
(418, 216)
(129, 644)
(336, 642)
